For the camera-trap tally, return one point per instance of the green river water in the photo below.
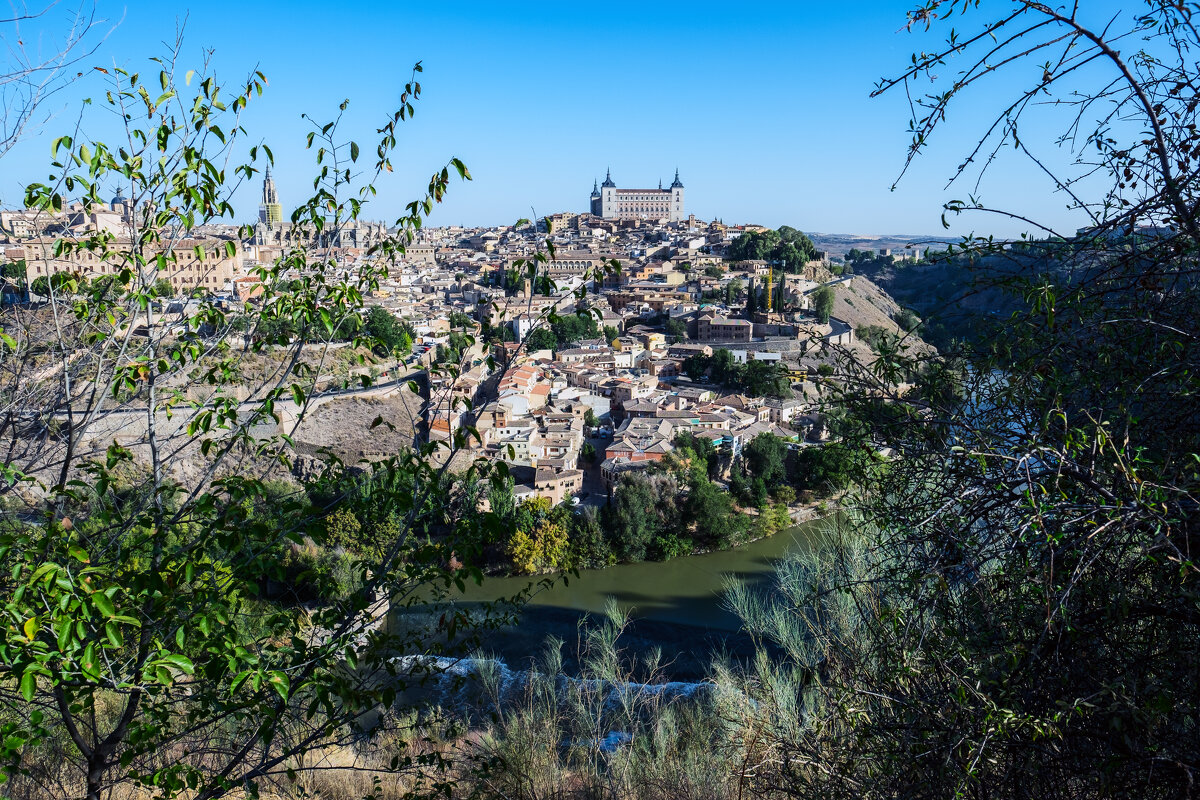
(683, 591)
(677, 606)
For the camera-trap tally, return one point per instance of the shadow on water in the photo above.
(677, 606)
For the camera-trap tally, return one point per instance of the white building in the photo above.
(610, 202)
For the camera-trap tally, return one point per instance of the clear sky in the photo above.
(763, 107)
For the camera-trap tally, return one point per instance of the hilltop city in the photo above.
(684, 331)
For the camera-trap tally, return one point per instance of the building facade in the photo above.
(270, 212)
(609, 202)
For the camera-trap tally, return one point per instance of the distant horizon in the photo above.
(643, 89)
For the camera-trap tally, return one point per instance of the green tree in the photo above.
(390, 334)
(141, 642)
(765, 458)
(541, 339)
(733, 290)
(695, 367)
(676, 328)
(753, 246)
(589, 545)
(14, 271)
(630, 520)
(822, 303)
(573, 328)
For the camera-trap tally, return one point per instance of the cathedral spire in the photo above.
(678, 184)
(270, 211)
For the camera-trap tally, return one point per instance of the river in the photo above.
(677, 605)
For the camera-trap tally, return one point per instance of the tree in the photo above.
(573, 328)
(752, 246)
(589, 418)
(589, 545)
(32, 73)
(733, 290)
(588, 452)
(695, 367)
(611, 334)
(388, 332)
(764, 379)
(541, 339)
(765, 457)
(15, 271)
(544, 548)
(631, 520)
(713, 271)
(822, 301)
(676, 328)
(1028, 556)
(724, 368)
(142, 645)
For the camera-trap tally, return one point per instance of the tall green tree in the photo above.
(822, 302)
(139, 644)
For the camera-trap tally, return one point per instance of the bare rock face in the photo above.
(346, 426)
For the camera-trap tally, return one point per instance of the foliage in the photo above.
(541, 339)
(907, 319)
(764, 456)
(1014, 613)
(573, 328)
(754, 378)
(786, 246)
(822, 303)
(733, 291)
(391, 336)
(147, 638)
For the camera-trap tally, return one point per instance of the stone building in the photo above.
(609, 202)
(273, 231)
(270, 212)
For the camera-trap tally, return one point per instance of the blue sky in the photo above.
(763, 107)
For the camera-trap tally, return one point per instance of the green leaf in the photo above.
(28, 685)
(180, 662)
(280, 683)
(113, 631)
(354, 151)
(104, 604)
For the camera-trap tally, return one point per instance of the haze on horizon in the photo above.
(765, 113)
